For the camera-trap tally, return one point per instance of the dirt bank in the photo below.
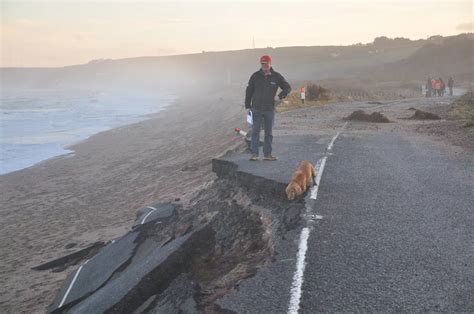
(221, 237)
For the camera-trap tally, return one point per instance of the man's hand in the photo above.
(277, 99)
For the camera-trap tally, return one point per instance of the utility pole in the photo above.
(253, 42)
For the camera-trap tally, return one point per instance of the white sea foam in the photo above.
(38, 124)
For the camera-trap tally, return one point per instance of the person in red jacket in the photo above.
(438, 87)
(433, 86)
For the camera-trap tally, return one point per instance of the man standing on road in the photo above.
(261, 98)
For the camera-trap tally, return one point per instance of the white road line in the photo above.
(332, 141)
(146, 216)
(314, 217)
(71, 284)
(298, 276)
(331, 144)
(319, 170)
(303, 244)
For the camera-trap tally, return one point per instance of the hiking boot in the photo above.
(254, 157)
(270, 157)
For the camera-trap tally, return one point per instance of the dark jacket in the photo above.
(261, 90)
(450, 82)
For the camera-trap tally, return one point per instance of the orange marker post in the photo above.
(303, 94)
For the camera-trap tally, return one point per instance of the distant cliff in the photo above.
(384, 58)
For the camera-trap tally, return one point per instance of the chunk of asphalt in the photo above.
(146, 306)
(158, 211)
(70, 259)
(142, 278)
(96, 272)
(70, 245)
(177, 298)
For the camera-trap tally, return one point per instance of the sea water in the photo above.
(39, 124)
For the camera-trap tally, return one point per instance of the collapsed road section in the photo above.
(179, 258)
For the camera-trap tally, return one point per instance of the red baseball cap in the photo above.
(265, 59)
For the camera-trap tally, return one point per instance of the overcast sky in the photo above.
(59, 33)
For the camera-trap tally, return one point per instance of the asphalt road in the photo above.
(397, 232)
(397, 224)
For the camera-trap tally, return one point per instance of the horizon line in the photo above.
(223, 51)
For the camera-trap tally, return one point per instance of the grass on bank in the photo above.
(463, 109)
(293, 101)
(345, 90)
(316, 96)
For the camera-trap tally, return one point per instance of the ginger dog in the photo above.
(301, 180)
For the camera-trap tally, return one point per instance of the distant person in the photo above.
(450, 85)
(433, 86)
(442, 87)
(261, 98)
(437, 88)
(429, 89)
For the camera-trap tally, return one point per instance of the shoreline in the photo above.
(53, 149)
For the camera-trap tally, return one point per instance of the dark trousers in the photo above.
(267, 118)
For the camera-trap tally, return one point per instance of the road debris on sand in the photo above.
(424, 115)
(375, 103)
(361, 115)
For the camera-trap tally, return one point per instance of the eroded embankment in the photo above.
(187, 257)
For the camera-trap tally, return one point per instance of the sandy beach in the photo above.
(93, 194)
